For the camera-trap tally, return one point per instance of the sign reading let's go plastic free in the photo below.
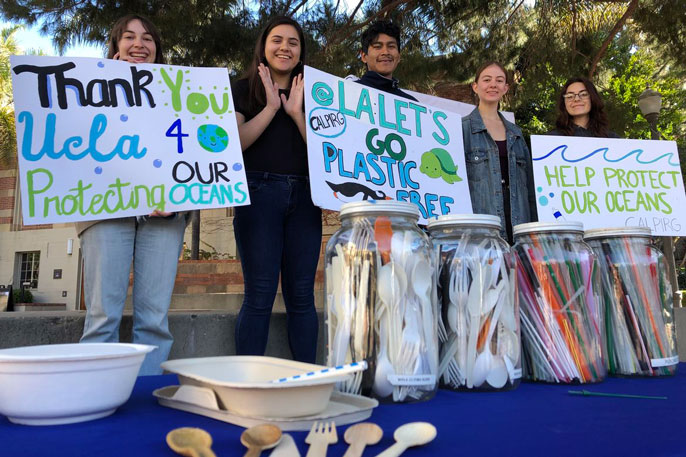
(100, 139)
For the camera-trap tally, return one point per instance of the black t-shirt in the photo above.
(505, 177)
(281, 148)
(390, 85)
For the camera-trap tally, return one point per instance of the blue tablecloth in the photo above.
(533, 420)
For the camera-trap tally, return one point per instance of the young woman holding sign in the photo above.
(280, 232)
(498, 161)
(581, 111)
(152, 243)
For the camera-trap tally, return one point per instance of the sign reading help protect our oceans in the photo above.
(610, 183)
(365, 144)
(100, 139)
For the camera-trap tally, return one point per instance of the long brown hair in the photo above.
(120, 27)
(257, 97)
(597, 118)
(481, 69)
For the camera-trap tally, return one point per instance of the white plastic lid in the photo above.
(537, 227)
(380, 206)
(472, 220)
(616, 231)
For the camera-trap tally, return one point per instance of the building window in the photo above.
(28, 271)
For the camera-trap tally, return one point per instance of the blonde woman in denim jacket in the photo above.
(498, 161)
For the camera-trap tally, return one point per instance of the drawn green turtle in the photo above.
(437, 163)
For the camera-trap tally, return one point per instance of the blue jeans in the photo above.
(109, 247)
(280, 232)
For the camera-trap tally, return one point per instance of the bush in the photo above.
(17, 296)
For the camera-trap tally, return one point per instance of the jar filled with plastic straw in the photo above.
(560, 304)
(478, 327)
(637, 295)
(381, 302)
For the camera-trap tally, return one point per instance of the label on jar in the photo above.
(667, 361)
(411, 379)
(517, 373)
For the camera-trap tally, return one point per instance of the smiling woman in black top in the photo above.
(280, 232)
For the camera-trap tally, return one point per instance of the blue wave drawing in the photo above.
(636, 152)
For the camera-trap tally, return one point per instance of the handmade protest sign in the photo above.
(365, 144)
(100, 139)
(610, 183)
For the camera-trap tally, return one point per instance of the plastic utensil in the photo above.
(408, 435)
(260, 437)
(382, 386)
(190, 441)
(361, 435)
(586, 393)
(330, 372)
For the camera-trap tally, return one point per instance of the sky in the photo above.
(30, 38)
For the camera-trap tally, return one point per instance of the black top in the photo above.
(505, 177)
(281, 148)
(580, 131)
(390, 85)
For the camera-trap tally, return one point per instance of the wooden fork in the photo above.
(321, 435)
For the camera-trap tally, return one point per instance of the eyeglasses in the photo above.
(569, 96)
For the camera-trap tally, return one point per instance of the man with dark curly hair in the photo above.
(381, 52)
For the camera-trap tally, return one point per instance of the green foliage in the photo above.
(20, 296)
(8, 144)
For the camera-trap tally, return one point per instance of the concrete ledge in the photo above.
(196, 334)
(40, 306)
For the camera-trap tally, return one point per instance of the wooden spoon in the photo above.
(191, 442)
(408, 435)
(260, 437)
(360, 435)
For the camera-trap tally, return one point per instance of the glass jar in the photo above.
(637, 295)
(560, 304)
(381, 301)
(480, 345)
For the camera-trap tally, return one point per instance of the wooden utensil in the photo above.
(412, 434)
(359, 436)
(321, 435)
(191, 442)
(260, 437)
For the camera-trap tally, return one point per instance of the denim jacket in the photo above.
(483, 171)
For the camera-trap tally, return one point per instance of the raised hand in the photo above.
(293, 105)
(271, 89)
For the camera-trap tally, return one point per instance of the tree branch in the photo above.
(341, 35)
(292, 12)
(615, 30)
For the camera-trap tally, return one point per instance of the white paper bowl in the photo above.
(243, 387)
(67, 383)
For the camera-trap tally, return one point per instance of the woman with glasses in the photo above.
(581, 111)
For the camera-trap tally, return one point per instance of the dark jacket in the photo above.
(483, 171)
(375, 80)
